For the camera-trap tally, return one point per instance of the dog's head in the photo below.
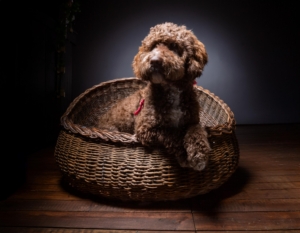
(169, 53)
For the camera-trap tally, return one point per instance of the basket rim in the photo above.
(128, 138)
(229, 125)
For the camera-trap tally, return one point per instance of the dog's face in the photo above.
(169, 53)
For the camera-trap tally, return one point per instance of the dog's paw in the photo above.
(142, 139)
(198, 154)
(143, 135)
(197, 161)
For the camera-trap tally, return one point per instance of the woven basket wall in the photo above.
(116, 165)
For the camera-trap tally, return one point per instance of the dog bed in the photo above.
(115, 165)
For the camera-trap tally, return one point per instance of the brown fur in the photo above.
(170, 58)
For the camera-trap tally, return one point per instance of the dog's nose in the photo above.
(156, 62)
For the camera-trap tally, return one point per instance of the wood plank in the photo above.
(248, 221)
(243, 194)
(272, 231)
(51, 205)
(44, 172)
(270, 171)
(105, 220)
(251, 195)
(182, 206)
(44, 179)
(269, 193)
(63, 230)
(274, 179)
(261, 184)
(197, 203)
(29, 187)
(255, 205)
(270, 164)
(101, 205)
(273, 186)
(73, 230)
(45, 195)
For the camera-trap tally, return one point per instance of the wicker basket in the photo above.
(116, 165)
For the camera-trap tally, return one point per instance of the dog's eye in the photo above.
(175, 48)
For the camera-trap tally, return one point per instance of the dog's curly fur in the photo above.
(169, 59)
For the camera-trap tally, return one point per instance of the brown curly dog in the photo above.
(166, 111)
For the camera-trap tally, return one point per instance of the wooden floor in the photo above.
(262, 196)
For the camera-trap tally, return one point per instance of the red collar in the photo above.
(140, 107)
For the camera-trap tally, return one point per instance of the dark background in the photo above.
(253, 49)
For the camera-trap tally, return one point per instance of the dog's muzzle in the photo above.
(156, 65)
(157, 71)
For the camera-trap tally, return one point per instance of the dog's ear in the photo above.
(197, 60)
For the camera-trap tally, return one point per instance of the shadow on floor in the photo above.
(211, 201)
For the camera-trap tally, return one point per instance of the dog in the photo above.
(166, 112)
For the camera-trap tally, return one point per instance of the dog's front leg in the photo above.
(197, 147)
(169, 138)
(145, 134)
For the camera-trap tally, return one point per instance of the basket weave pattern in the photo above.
(116, 165)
